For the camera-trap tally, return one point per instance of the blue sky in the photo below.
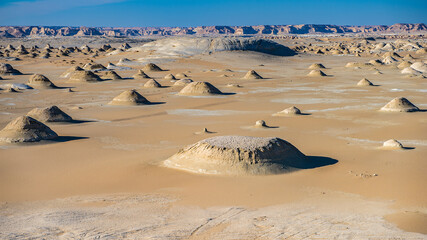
(154, 13)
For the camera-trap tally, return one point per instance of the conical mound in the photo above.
(140, 75)
(129, 97)
(238, 155)
(40, 81)
(111, 75)
(392, 144)
(84, 76)
(316, 73)
(288, 111)
(7, 69)
(252, 75)
(70, 71)
(170, 76)
(365, 82)
(152, 84)
(199, 88)
(183, 82)
(181, 75)
(419, 66)
(399, 104)
(49, 114)
(93, 66)
(26, 129)
(152, 67)
(316, 66)
(409, 70)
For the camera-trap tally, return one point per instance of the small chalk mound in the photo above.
(392, 144)
(420, 67)
(152, 67)
(49, 114)
(238, 155)
(260, 124)
(11, 90)
(183, 82)
(233, 85)
(204, 131)
(84, 76)
(365, 82)
(40, 81)
(316, 73)
(26, 129)
(181, 75)
(140, 75)
(399, 104)
(152, 84)
(316, 66)
(170, 76)
(409, 70)
(111, 75)
(129, 97)
(70, 71)
(7, 69)
(93, 66)
(289, 111)
(199, 88)
(252, 75)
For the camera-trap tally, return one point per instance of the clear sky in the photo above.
(154, 13)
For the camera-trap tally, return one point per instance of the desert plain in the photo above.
(105, 177)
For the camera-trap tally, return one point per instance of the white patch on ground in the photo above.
(137, 216)
(201, 112)
(311, 100)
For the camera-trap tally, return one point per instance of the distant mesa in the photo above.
(257, 30)
(129, 97)
(151, 67)
(49, 114)
(7, 69)
(399, 104)
(199, 89)
(26, 129)
(252, 75)
(39, 81)
(239, 155)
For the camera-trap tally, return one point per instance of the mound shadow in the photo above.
(60, 139)
(313, 162)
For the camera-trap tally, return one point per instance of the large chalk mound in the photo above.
(239, 155)
(188, 46)
(199, 89)
(49, 114)
(26, 129)
(40, 81)
(399, 104)
(129, 97)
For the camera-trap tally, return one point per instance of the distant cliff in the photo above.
(29, 31)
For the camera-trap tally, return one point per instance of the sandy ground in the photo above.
(104, 179)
